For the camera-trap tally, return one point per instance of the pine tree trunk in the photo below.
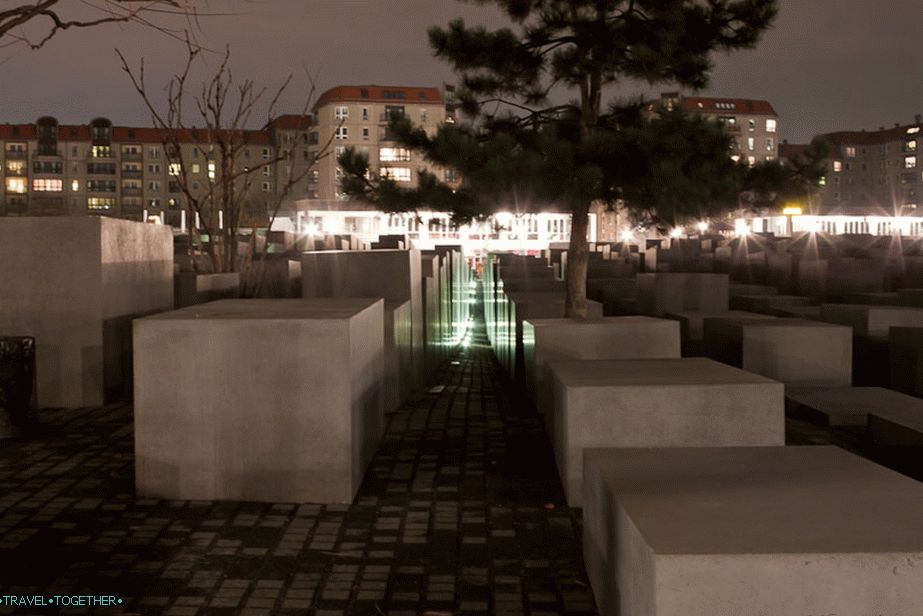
(577, 258)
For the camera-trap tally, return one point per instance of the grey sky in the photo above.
(826, 65)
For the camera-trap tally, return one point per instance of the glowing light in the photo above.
(792, 210)
(626, 235)
(676, 232)
(702, 227)
(740, 228)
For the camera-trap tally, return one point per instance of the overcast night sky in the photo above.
(826, 65)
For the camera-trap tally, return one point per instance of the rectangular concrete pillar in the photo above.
(690, 402)
(75, 284)
(750, 530)
(259, 400)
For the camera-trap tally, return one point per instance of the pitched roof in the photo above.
(379, 94)
(727, 105)
(791, 150)
(291, 122)
(862, 137)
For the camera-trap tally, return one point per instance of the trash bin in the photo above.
(17, 383)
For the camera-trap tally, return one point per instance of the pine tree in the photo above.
(521, 148)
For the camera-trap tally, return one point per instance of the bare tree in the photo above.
(35, 23)
(231, 197)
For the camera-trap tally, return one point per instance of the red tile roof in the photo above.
(727, 105)
(379, 94)
(856, 137)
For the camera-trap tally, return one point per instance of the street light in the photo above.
(702, 227)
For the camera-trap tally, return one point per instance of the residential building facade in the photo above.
(752, 124)
(359, 116)
(871, 172)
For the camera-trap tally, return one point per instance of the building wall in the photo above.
(363, 125)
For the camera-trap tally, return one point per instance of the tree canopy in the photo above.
(520, 148)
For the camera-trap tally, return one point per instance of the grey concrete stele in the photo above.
(546, 340)
(259, 399)
(745, 531)
(394, 275)
(75, 283)
(692, 402)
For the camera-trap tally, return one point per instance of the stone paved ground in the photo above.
(461, 512)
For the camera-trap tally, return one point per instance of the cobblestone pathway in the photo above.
(461, 512)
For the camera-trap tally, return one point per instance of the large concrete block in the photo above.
(527, 306)
(398, 354)
(659, 294)
(547, 340)
(191, 288)
(692, 323)
(850, 406)
(262, 400)
(905, 349)
(910, 297)
(690, 402)
(796, 352)
(75, 284)
(761, 530)
(395, 275)
(870, 321)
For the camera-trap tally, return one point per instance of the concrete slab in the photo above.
(870, 321)
(75, 283)
(546, 340)
(850, 406)
(905, 351)
(260, 400)
(658, 403)
(191, 288)
(398, 354)
(797, 352)
(910, 297)
(751, 530)
(660, 293)
(394, 275)
(692, 322)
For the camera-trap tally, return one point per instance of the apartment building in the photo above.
(871, 172)
(358, 117)
(753, 124)
(52, 169)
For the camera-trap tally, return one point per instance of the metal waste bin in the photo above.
(17, 383)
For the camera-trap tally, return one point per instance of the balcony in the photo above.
(16, 155)
(131, 191)
(385, 118)
(132, 156)
(100, 169)
(132, 173)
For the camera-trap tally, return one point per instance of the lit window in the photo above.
(770, 126)
(342, 132)
(850, 152)
(751, 160)
(16, 167)
(196, 168)
(911, 146)
(391, 155)
(735, 157)
(341, 113)
(75, 186)
(770, 144)
(211, 170)
(398, 174)
(822, 181)
(47, 185)
(100, 203)
(174, 169)
(913, 130)
(15, 185)
(751, 143)
(153, 203)
(837, 166)
(910, 162)
(101, 151)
